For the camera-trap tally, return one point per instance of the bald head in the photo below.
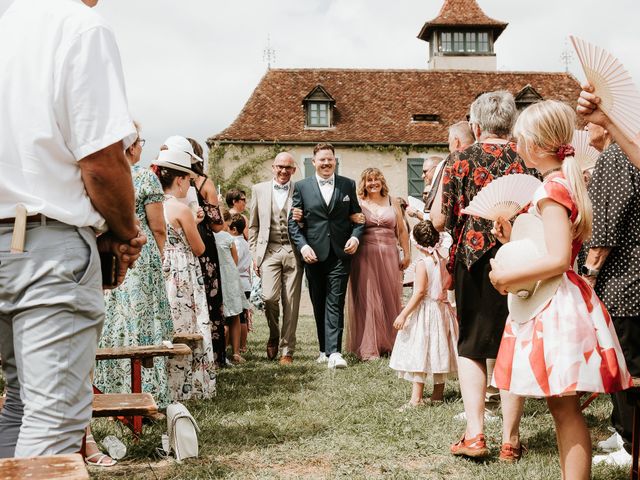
(283, 167)
(460, 136)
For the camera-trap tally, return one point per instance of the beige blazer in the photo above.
(260, 218)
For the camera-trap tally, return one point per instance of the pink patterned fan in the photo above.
(613, 84)
(586, 155)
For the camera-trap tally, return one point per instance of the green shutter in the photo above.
(415, 183)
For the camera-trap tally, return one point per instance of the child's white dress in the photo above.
(427, 343)
(232, 292)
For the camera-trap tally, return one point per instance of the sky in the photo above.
(190, 65)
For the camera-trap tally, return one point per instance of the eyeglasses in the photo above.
(141, 142)
(283, 167)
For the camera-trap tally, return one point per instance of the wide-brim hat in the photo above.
(175, 160)
(527, 245)
(176, 142)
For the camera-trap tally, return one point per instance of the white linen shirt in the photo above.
(62, 98)
(280, 195)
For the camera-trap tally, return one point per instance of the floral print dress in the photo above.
(137, 312)
(194, 376)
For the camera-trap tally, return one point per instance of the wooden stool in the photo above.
(60, 467)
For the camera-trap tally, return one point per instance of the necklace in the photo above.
(549, 172)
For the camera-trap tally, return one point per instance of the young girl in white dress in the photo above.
(428, 330)
(232, 293)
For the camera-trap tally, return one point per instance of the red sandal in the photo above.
(511, 454)
(475, 447)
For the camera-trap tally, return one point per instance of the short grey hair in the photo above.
(494, 112)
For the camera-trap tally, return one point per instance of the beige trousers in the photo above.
(281, 274)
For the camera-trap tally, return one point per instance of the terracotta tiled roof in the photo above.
(455, 13)
(376, 106)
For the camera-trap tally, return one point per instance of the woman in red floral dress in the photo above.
(571, 344)
(482, 312)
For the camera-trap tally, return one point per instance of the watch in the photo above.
(589, 272)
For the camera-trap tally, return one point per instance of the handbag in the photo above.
(182, 431)
(255, 297)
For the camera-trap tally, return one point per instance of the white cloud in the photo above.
(191, 65)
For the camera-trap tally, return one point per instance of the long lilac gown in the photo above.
(375, 287)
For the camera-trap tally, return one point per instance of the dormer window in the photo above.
(425, 118)
(318, 106)
(527, 96)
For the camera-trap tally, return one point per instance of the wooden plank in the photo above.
(146, 351)
(119, 404)
(61, 467)
(124, 404)
(186, 337)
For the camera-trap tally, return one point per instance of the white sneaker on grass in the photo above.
(336, 361)
(488, 416)
(322, 358)
(611, 444)
(619, 458)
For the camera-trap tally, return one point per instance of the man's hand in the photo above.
(308, 255)
(351, 246)
(126, 252)
(297, 214)
(256, 269)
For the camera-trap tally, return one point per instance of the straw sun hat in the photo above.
(175, 160)
(527, 245)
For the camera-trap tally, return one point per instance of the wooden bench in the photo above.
(114, 404)
(140, 356)
(60, 467)
(187, 338)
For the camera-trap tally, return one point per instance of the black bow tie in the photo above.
(277, 186)
(326, 182)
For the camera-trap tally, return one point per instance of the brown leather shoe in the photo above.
(272, 350)
(286, 360)
(475, 447)
(511, 454)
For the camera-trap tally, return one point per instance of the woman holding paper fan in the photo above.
(567, 343)
(482, 312)
(375, 285)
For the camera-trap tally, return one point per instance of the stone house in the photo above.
(391, 119)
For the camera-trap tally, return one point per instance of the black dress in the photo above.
(211, 273)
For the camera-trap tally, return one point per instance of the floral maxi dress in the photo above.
(137, 312)
(194, 376)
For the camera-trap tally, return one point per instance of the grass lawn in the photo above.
(305, 421)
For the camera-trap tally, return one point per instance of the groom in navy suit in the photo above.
(326, 240)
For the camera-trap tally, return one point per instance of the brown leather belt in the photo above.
(30, 219)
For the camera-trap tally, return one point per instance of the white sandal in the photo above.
(101, 457)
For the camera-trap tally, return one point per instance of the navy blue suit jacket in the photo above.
(325, 227)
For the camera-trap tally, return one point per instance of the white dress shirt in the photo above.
(327, 189)
(280, 195)
(62, 98)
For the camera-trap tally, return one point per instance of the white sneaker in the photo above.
(611, 444)
(336, 361)
(322, 358)
(488, 416)
(619, 458)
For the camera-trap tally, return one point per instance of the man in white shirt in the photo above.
(326, 240)
(64, 126)
(276, 261)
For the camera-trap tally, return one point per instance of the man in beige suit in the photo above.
(275, 259)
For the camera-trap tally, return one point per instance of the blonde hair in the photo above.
(548, 125)
(376, 174)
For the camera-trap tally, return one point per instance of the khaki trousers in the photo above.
(281, 274)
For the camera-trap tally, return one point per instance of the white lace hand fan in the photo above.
(620, 98)
(503, 197)
(586, 155)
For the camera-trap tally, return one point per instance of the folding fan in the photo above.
(620, 98)
(503, 197)
(586, 155)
